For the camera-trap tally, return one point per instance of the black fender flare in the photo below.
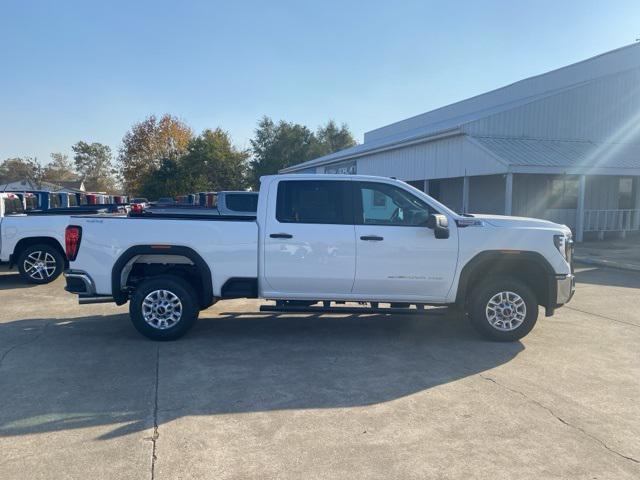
(484, 260)
(120, 297)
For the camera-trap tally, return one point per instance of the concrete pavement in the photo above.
(249, 395)
(615, 253)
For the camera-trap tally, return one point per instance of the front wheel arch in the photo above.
(530, 268)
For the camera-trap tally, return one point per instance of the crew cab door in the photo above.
(397, 255)
(309, 244)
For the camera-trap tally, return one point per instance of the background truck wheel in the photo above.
(503, 309)
(40, 263)
(163, 308)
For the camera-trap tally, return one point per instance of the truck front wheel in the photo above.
(503, 309)
(163, 308)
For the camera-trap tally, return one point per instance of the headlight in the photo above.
(560, 241)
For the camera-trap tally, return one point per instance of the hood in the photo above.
(519, 222)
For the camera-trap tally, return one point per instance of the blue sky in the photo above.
(87, 70)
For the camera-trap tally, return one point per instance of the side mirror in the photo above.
(439, 224)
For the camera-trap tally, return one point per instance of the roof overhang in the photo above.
(618, 171)
(432, 137)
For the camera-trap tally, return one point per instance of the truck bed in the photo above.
(229, 245)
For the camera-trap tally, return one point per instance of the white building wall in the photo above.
(445, 158)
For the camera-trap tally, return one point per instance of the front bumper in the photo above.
(566, 287)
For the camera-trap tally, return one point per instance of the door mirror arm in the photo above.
(439, 224)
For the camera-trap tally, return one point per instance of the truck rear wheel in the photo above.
(503, 309)
(163, 308)
(40, 263)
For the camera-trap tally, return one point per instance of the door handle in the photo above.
(371, 238)
(281, 235)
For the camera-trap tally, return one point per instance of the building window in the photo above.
(349, 168)
(379, 199)
(625, 193)
(563, 193)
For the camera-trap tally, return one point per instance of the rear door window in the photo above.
(314, 201)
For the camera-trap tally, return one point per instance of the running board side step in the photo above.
(90, 300)
(353, 310)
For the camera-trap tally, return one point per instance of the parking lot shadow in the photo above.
(9, 281)
(97, 371)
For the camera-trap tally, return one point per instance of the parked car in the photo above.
(230, 203)
(34, 240)
(165, 201)
(236, 203)
(140, 201)
(329, 238)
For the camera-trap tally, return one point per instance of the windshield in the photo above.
(435, 203)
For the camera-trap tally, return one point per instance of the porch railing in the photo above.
(611, 220)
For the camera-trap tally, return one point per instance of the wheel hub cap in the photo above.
(506, 311)
(161, 309)
(40, 265)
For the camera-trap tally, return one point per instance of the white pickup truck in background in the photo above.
(323, 239)
(34, 241)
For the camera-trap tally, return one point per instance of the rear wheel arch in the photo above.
(531, 268)
(30, 241)
(202, 284)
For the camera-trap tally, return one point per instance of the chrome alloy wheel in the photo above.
(506, 311)
(40, 265)
(162, 309)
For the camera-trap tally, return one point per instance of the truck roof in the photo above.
(332, 176)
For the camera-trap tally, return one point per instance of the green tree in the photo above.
(279, 145)
(211, 163)
(94, 164)
(167, 180)
(59, 169)
(21, 168)
(276, 146)
(147, 145)
(331, 138)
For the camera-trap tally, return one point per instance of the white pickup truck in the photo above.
(34, 241)
(319, 239)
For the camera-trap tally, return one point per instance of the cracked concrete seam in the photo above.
(156, 434)
(568, 307)
(22, 344)
(560, 419)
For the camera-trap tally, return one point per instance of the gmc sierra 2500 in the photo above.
(325, 238)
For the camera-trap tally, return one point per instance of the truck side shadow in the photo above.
(98, 372)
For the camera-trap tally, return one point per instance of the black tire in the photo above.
(161, 324)
(40, 263)
(515, 325)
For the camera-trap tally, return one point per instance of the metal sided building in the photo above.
(564, 146)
